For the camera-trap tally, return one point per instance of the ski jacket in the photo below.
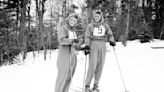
(98, 31)
(64, 32)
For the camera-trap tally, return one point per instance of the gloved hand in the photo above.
(75, 40)
(86, 49)
(86, 52)
(112, 43)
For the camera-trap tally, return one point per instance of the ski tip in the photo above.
(127, 91)
(157, 47)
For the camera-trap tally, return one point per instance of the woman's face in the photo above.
(97, 17)
(72, 21)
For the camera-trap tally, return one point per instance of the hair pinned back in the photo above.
(73, 15)
(65, 21)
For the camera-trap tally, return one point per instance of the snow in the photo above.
(141, 67)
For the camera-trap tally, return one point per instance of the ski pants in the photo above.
(66, 65)
(96, 61)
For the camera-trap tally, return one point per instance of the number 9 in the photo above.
(99, 30)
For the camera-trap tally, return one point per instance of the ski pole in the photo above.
(120, 69)
(85, 68)
(70, 66)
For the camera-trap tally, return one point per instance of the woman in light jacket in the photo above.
(66, 62)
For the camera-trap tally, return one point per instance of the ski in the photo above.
(79, 89)
(160, 47)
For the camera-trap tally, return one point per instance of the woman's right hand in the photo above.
(86, 49)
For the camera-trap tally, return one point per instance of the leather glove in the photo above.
(86, 52)
(112, 43)
(86, 49)
(75, 40)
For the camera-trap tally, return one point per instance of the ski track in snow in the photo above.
(141, 66)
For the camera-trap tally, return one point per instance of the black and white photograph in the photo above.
(81, 45)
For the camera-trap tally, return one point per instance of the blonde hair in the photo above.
(64, 21)
(74, 15)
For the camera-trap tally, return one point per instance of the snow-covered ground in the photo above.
(142, 68)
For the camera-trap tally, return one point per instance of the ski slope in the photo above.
(142, 68)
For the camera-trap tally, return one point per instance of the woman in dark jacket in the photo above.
(96, 36)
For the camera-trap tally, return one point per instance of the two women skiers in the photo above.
(96, 36)
(66, 62)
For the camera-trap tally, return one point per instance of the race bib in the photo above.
(72, 35)
(99, 31)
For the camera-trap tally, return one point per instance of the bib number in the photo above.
(99, 31)
(72, 35)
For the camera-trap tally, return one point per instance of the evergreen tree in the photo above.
(9, 44)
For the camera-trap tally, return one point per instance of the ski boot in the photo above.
(95, 88)
(87, 88)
